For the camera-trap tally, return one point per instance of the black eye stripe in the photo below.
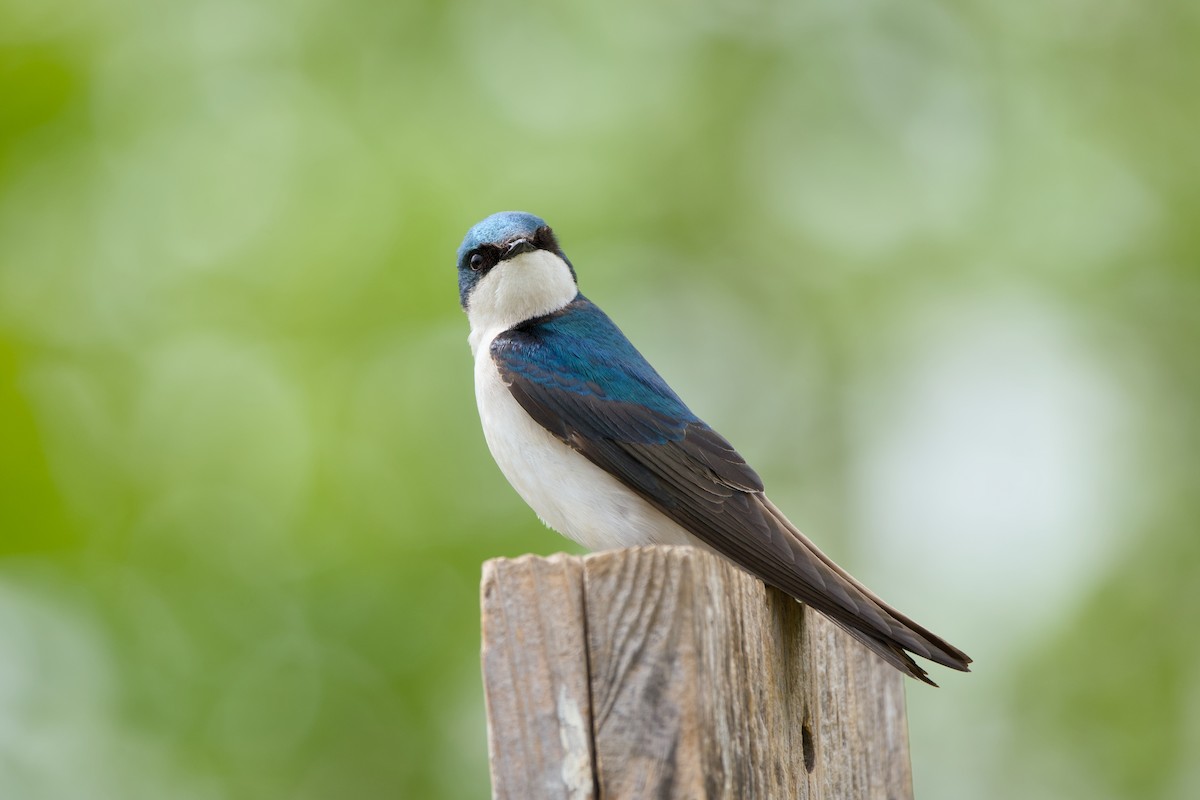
(483, 258)
(545, 240)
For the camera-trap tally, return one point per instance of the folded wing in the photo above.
(577, 375)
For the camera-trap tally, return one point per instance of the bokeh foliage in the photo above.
(931, 265)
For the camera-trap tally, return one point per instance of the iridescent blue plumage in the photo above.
(499, 227)
(580, 350)
(577, 374)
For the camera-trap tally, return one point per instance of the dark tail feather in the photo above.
(888, 651)
(861, 613)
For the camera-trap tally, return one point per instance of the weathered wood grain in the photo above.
(691, 680)
(536, 679)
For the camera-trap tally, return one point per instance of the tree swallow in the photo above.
(608, 455)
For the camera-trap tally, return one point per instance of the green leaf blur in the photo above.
(932, 266)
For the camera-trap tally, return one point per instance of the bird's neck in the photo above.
(523, 287)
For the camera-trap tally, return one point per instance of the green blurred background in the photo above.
(932, 266)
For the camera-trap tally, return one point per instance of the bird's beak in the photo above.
(516, 247)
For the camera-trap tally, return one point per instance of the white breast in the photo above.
(569, 493)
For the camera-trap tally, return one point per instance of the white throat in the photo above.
(523, 287)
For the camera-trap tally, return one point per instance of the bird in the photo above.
(607, 454)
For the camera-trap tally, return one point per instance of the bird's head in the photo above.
(510, 269)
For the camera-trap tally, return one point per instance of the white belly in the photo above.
(569, 493)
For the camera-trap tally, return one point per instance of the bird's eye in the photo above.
(477, 262)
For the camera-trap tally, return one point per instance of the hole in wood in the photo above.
(810, 753)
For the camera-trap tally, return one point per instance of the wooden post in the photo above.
(666, 672)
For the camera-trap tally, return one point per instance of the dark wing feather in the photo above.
(617, 412)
